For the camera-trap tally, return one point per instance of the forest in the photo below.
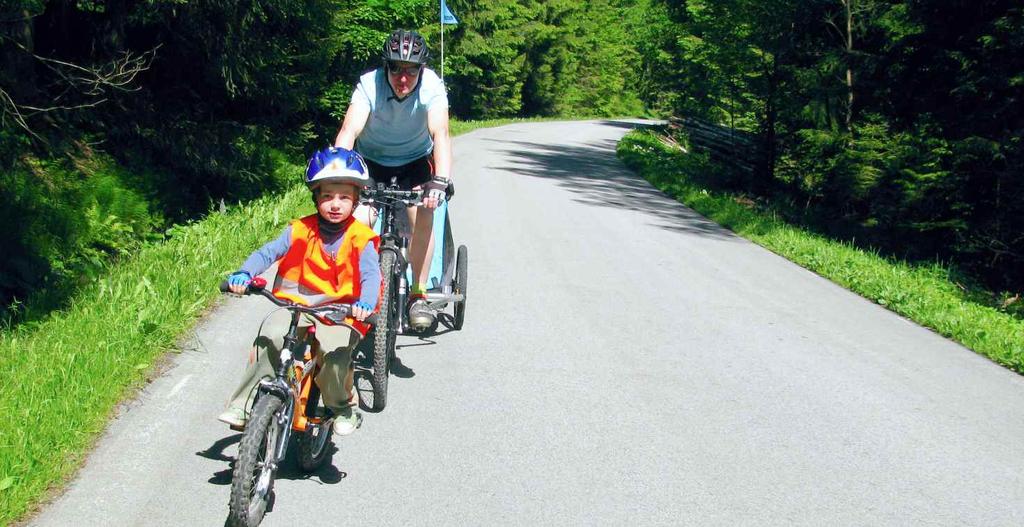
(896, 125)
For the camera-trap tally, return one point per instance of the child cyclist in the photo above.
(322, 258)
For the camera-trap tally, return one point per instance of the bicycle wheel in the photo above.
(385, 332)
(461, 277)
(314, 443)
(252, 483)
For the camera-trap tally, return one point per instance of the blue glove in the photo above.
(239, 278)
(363, 305)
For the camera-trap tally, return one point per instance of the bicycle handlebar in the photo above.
(335, 313)
(389, 196)
(394, 196)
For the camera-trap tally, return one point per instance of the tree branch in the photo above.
(54, 108)
(118, 74)
(91, 82)
(11, 108)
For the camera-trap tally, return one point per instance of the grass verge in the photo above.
(457, 127)
(926, 294)
(62, 376)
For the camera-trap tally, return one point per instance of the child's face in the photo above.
(336, 201)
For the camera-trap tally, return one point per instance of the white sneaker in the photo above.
(420, 315)
(347, 421)
(234, 417)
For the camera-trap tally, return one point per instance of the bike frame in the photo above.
(293, 379)
(389, 201)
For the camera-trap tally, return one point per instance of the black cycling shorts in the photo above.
(407, 176)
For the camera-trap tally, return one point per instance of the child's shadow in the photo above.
(216, 453)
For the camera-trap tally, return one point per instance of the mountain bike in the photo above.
(289, 403)
(391, 203)
(394, 287)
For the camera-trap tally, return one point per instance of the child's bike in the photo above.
(290, 402)
(447, 287)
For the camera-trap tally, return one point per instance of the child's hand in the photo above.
(239, 282)
(360, 311)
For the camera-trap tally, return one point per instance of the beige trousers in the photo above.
(334, 355)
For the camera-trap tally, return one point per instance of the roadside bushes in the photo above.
(912, 194)
(65, 219)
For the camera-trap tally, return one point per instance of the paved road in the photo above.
(624, 361)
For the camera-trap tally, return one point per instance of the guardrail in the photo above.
(735, 148)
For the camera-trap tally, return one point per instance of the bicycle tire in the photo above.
(252, 483)
(461, 281)
(384, 333)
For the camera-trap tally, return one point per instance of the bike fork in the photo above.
(285, 422)
(284, 418)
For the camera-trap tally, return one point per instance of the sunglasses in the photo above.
(411, 71)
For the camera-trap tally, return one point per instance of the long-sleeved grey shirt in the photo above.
(369, 260)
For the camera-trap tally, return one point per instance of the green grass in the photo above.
(926, 294)
(457, 127)
(62, 376)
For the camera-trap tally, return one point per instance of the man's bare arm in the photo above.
(352, 126)
(437, 124)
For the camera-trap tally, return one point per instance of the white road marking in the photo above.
(177, 387)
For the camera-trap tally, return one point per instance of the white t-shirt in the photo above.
(396, 132)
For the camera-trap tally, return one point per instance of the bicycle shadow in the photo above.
(362, 358)
(289, 468)
(445, 321)
(421, 341)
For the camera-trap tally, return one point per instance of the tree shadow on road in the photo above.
(594, 173)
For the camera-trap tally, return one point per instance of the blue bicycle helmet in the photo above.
(338, 165)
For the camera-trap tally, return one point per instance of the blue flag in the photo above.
(446, 15)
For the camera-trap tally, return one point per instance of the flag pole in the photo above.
(442, 42)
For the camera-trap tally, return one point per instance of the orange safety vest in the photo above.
(308, 275)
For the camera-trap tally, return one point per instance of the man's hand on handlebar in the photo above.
(434, 192)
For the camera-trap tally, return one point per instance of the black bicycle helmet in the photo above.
(405, 46)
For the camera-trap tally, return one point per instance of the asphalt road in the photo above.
(624, 361)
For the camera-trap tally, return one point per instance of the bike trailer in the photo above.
(442, 263)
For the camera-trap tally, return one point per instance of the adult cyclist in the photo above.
(398, 121)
